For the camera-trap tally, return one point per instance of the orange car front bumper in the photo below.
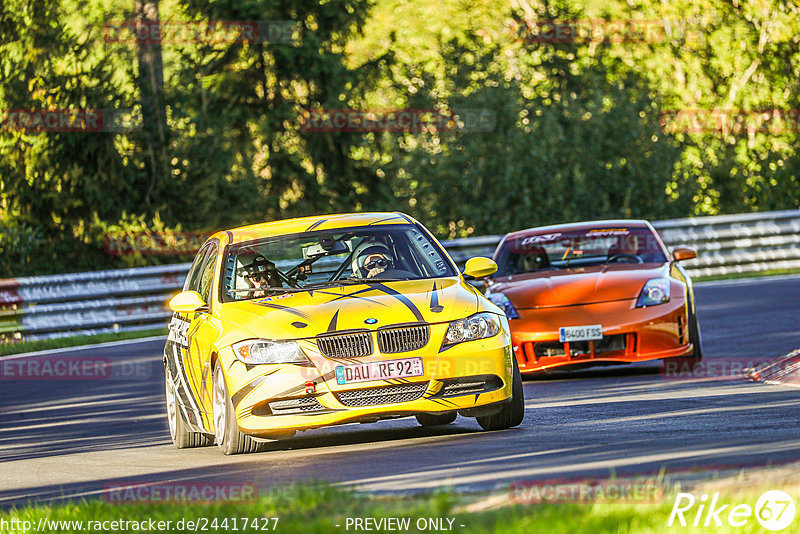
(630, 334)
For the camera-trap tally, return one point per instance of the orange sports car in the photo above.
(601, 292)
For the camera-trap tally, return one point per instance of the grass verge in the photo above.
(322, 508)
(62, 342)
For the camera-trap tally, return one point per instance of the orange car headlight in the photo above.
(655, 291)
(504, 303)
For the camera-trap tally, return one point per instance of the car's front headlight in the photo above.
(655, 291)
(478, 326)
(504, 303)
(255, 351)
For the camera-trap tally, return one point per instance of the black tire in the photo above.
(427, 419)
(690, 362)
(229, 438)
(695, 337)
(183, 437)
(513, 412)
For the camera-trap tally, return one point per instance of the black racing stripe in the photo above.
(434, 296)
(404, 216)
(302, 387)
(435, 306)
(327, 293)
(319, 222)
(402, 298)
(394, 218)
(190, 370)
(444, 402)
(206, 375)
(186, 395)
(332, 325)
(353, 295)
(177, 366)
(177, 372)
(284, 308)
(250, 386)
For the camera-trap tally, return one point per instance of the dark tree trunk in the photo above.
(151, 89)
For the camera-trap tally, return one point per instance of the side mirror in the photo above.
(477, 268)
(682, 252)
(186, 301)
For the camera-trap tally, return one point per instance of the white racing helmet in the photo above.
(364, 250)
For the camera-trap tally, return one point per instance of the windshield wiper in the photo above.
(355, 280)
(267, 290)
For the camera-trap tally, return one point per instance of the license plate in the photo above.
(364, 372)
(591, 332)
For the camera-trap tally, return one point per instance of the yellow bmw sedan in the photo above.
(305, 323)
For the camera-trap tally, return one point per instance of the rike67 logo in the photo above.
(774, 510)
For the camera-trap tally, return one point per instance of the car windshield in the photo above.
(296, 262)
(553, 249)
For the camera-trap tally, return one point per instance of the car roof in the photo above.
(317, 222)
(578, 226)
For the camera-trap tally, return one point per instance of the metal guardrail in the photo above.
(134, 299)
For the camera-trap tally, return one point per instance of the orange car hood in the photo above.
(584, 285)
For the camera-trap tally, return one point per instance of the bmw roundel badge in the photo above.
(371, 320)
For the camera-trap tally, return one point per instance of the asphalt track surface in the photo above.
(67, 439)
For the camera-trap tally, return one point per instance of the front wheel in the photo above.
(513, 412)
(690, 362)
(183, 437)
(230, 439)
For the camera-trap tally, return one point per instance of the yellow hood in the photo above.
(308, 313)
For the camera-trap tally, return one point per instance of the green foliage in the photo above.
(323, 508)
(570, 131)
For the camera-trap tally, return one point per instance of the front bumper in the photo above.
(630, 334)
(271, 400)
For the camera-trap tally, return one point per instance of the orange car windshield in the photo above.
(562, 250)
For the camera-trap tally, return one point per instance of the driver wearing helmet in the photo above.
(534, 259)
(262, 274)
(370, 259)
